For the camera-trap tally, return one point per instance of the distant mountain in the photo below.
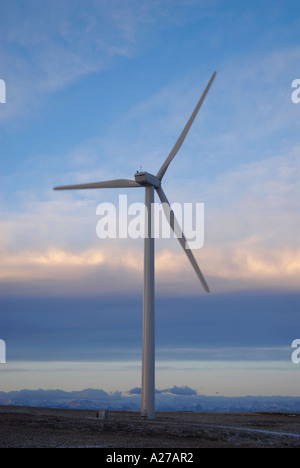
(171, 399)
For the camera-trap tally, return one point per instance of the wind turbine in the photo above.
(151, 182)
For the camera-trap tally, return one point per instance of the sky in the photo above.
(96, 90)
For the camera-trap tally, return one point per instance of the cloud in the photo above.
(251, 225)
(251, 199)
(107, 326)
(184, 390)
(116, 269)
(135, 391)
(48, 47)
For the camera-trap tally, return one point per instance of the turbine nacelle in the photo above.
(146, 179)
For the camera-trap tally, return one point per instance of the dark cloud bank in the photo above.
(93, 328)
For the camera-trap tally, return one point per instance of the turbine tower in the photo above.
(153, 182)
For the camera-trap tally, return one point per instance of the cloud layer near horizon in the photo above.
(251, 227)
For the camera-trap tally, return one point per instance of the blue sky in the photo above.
(97, 89)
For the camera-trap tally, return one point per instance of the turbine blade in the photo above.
(182, 240)
(184, 132)
(118, 183)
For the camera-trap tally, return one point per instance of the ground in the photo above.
(63, 428)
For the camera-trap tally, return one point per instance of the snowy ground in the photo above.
(44, 427)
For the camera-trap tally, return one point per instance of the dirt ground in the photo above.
(26, 427)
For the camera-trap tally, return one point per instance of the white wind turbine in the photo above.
(151, 182)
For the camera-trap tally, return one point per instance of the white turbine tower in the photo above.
(151, 182)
